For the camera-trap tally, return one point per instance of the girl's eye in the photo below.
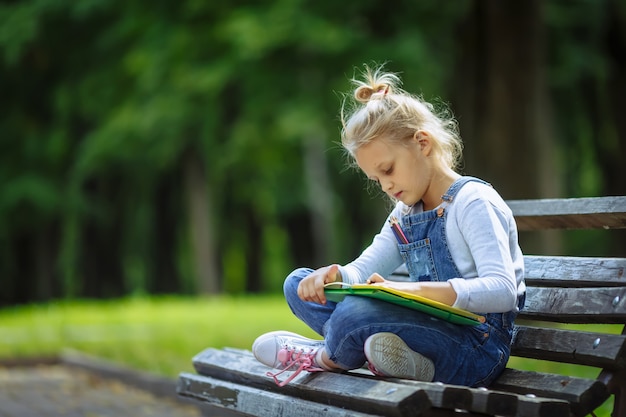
(389, 171)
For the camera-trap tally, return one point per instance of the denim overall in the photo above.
(464, 355)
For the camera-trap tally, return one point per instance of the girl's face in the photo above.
(403, 170)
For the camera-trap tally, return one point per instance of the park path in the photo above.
(58, 390)
(74, 384)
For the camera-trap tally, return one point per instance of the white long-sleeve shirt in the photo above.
(483, 241)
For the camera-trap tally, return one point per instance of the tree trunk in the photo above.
(166, 215)
(200, 224)
(320, 196)
(612, 146)
(44, 256)
(502, 105)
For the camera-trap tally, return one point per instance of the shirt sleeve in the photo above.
(381, 256)
(485, 227)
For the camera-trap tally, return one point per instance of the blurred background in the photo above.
(191, 147)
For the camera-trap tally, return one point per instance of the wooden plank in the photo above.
(338, 390)
(489, 402)
(570, 271)
(453, 397)
(253, 401)
(530, 406)
(562, 271)
(576, 305)
(570, 213)
(577, 347)
(257, 402)
(368, 394)
(584, 395)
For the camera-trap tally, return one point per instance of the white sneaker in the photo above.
(287, 351)
(389, 356)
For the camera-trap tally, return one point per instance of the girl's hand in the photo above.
(311, 288)
(375, 279)
(438, 291)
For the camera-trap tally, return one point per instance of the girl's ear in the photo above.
(423, 141)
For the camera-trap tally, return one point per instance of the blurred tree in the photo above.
(192, 146)
(503, 102)
(503, 98)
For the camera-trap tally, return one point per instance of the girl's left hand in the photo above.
(438, 291)
(378, 281)
(375, 279)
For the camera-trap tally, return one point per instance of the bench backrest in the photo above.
(585, 291)
(563, 289)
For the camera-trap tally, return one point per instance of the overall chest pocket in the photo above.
(418, 257)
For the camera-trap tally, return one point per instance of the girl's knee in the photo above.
(353, 312)
(290, 286)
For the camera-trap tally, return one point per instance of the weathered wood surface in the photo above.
(338, 390)
(254, 401)
(488, 401)
(366, 394)
(605, 305)
(569, 271)
(570, 213)
(571, 346)
(583, 395)
(563, 271)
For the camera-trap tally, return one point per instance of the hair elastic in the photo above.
(380, 94)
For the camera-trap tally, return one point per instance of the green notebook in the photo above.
(337, 291)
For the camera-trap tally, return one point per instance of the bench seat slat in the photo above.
(490, 402)
(569, 346)
(584, 395)
(570, 213)
(253, 401)
(570, 271)
(343, 391)
(604, 305)
(367, 394)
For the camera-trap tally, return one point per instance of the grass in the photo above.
(159, 335)
(162, 334)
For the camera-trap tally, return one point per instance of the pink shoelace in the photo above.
(374, 370)
(295, 360)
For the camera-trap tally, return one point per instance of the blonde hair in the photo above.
(382, 109)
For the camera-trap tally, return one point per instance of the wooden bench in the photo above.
(583, 290)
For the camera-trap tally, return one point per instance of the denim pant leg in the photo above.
(464, 355)
(313, 314)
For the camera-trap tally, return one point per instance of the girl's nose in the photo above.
(386, 185)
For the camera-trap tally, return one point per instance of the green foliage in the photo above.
(107, 102)
(111, 96)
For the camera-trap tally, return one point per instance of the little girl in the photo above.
(463, 251)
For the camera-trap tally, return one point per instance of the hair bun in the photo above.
(365, 93)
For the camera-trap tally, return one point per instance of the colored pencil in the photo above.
(397, 230)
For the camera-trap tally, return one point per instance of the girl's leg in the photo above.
(314, 315)
(289, 351)
(464, 355)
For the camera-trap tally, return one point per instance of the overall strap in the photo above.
(457, 185)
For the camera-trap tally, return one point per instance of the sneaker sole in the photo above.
(392, 357)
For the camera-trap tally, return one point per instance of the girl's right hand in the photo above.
(311, 288)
